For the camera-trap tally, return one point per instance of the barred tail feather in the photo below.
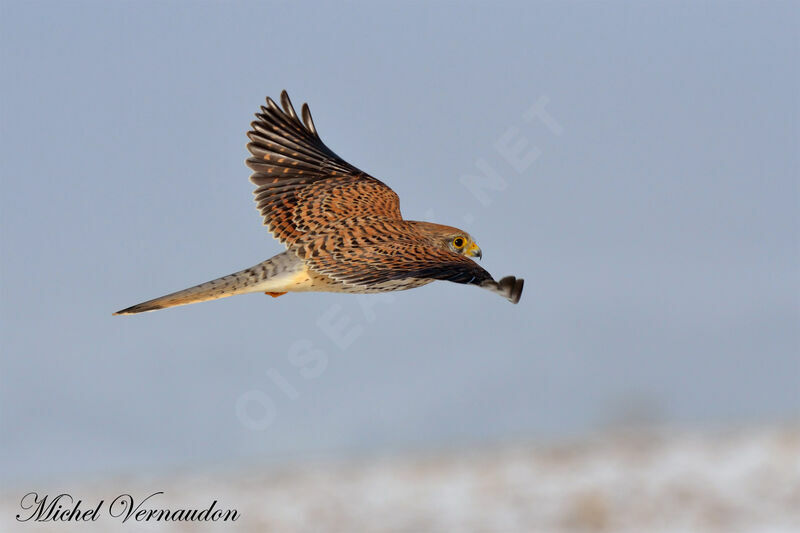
(210, 290)
(254, 279)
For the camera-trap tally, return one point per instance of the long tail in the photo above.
(253, 279)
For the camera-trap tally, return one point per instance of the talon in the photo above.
(275, 294)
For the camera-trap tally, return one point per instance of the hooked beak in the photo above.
(474, 251)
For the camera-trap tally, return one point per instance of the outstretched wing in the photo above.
(303, 184)
(367, 252)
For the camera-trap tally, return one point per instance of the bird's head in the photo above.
(462, 243)
(449, 238)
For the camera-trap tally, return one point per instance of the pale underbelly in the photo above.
(305, 280)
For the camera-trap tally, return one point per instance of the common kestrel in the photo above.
(342, 228)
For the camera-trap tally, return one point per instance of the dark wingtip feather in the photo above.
(512, 287)
(308, 121)
(272, 105)
(516, 293)
(509, 287)
(287, 105)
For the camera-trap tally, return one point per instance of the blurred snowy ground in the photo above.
(654, 481)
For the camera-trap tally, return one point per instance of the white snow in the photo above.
(656, 482)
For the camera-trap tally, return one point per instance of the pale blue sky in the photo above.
(658, 233)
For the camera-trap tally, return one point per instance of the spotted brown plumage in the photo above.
(366, 252)
(303, 184)
(342, 228)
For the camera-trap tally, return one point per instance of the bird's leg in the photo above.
(275, 294)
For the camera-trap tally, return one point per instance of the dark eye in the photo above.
(458, 242)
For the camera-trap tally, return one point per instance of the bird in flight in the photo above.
(342, 228)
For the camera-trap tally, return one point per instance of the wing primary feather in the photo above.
(309, 122)
(282, 145)
(302, 184)
(271, 105)
(281, 117)
(509, 287)
(287, 105)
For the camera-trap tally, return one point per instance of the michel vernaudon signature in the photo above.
(64, 508)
